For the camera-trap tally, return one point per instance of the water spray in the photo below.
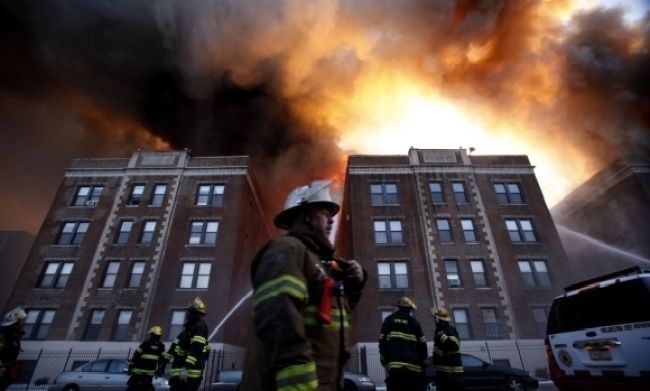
(605, 246)
(229, 314)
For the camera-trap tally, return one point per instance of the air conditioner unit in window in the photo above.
(91, 203)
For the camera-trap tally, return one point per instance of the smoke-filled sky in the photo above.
(298, 85)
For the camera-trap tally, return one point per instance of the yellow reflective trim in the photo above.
(191, 360)
(283, 285)
(301, 377)
(198, 338)
(399, 335)
(448, 369)
(150, 357)
(404, 365)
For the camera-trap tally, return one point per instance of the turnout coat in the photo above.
(290, 347)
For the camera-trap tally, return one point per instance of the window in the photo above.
(124, 231)
(468, 230)
(461, 321)
(195, 275)
(437, 195)
(540, 315)
(38, 322)
(210, 195)
(158, 195)
(388, 231)
(478, 272)
(137, 271)
(521, 230)
(137, 191)
(459, 192)
(73, 232)
(121, 328)
(535, 273)
(176, 324)
(148, 229)
(385, 314)
(453, 274)
(508, 193)
(444, 230)
(55, 274)
(490, 323)
(392, 275)
(383, 193)
(88, 195)
(94, 325)
(203, 232)
(110, 274)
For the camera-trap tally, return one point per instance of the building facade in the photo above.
(14, 247)
(604, 222)
(470, 233)
(127, 244)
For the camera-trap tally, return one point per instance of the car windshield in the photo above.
(94, 366)
(230, 376)
(118, 366)
(471, 361)
(598, 307)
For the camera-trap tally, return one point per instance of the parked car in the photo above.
(104, 375)
(481, 375)
(228, 380)
(597, 333)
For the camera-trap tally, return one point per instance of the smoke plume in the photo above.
(274, 80)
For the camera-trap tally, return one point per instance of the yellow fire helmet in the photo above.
(405, 302)
(442, 314)
(156, 330)
(14, 316)
(197, 305)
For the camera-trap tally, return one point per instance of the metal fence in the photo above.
(40, 368)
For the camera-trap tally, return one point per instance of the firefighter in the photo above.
(189, 350)
(11, 331)
(403, 348)
(302, 300)
(446, 354)
(146, 360)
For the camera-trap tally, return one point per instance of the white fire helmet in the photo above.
(317, 193)
(14, 316)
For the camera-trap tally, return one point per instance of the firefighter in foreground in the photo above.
(189, 350)
(145, 362)
(11, 331)
(446, 354)
(302, 300)
(403, 349)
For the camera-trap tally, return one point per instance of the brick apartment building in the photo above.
(127, 243)
(471, 233)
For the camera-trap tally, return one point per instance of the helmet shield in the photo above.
(316, 194)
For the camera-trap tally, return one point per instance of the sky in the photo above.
(299, 86)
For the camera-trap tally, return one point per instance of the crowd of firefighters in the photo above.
(302, 302)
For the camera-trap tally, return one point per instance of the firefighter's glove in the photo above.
(182, 375)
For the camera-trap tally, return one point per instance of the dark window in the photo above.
(203, 232)
(38, 322)
(210, 195)
(540, 315)
(453, 274)
(383, 193)
(490, 323)
(388, 231)
(459, 192)
(137, 271)
(521, 230)
(88, 195)
(195, 275)
(468, 230)
(148, 229)
(437, 193)
(55, 274)
(535, 273)
(176, 324)
(158, 195)
(121, 328)
(124, 231)
(508, 193)
(137, 191)
(461, 321)
(392, 275)
(72, 232)
(110, 274)
(444, 230)
(94, 325)
(478, 272)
